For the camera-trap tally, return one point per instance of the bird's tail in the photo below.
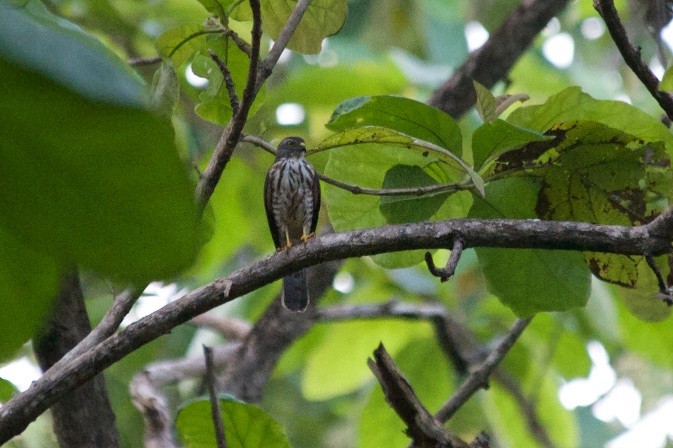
(295, 292)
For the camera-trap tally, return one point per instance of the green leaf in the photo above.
(165, 89)
(29, 282)
(236, 9)
(509, 421)
(528, 280)
(93, 184)
(490, 140)
(400, 114)
(572, 104)
(650, 340)
(352, 343)
(37, 40)
(485, 103)
(366, 165)
(7, 389)
(384, 136)
(432, 386)
(245, 425)
(666, 84)
(603, 176)
(215, 105)
(643, 300)
(179, 44)
(322, 18)
(409, 208)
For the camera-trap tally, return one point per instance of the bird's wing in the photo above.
(269, 192)
(315, 187)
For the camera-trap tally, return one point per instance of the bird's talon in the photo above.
(305, 237)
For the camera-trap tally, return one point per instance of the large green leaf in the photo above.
(492, 139)
(245, 425)
(215, 105)
(352, 343)
(572, 104)
(451, 162)
(322, 18)
(401, 114)
(409, 208)
(236, 9)
(366, 165)
(180, 43)
(28, 283)
(528, 280)
(509, 421)
(91, 183)
(33, 38)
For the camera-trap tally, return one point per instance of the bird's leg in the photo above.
(305, 236)
(288, 242)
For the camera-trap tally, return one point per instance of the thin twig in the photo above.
(411, 191)
(142, 61)
(240, 43)
(281, 42)
(664, 292)
(447, 271)
(228, 81)
(479, 377)
(632, 56)
(216, 412)
(228, 327)
(121, 306)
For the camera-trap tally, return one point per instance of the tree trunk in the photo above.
(82, 418)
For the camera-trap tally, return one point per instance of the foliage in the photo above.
(96, 171)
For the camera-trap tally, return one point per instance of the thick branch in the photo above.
(496, 58)
(17, 413)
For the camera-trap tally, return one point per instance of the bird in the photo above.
(292, 203)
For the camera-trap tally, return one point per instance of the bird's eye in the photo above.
(291, 142)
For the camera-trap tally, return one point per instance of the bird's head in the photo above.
(291, 147)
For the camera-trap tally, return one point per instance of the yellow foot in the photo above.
(305, 237)
(282, 248)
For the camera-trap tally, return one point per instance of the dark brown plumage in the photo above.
(292, 202)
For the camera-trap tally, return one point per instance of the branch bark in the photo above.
(496, 58)
(23, 408)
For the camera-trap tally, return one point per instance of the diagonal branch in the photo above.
(232, 133)
(17, 413)
(479, 377)
(631, 55)
(496, 58)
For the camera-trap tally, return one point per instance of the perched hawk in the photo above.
(292, 202)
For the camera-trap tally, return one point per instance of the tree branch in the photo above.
(281, 42)
(232, 133)
(423, 429)
(495, 59)
(631, 55)
(26, 406)
(147, 397)
(479, 377)
(216, 412)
